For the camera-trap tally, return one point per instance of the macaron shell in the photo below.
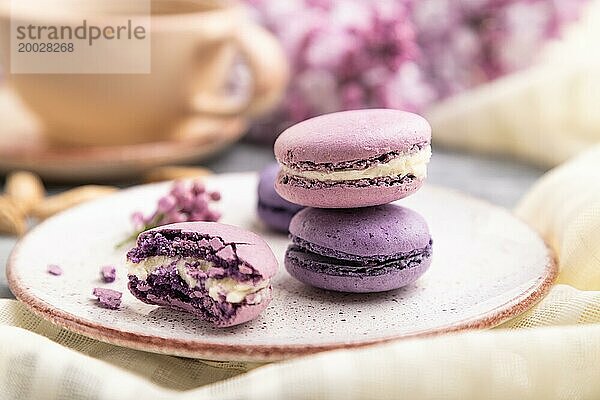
(249, 312)
(250, 247)
(356, 284)
(275, 219)
(243, 314)
(369, 232)
(266, 190)
(351, 135)
(346, 196)
(273, 210)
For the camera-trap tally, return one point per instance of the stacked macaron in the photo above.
(346, 167)
(274, 211)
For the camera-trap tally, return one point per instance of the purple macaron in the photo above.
(371, 249)
(220, 273)
(273, 210)
(352, 159)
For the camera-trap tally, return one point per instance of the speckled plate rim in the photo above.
(265, 353)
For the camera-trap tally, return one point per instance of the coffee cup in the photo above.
(194, 47)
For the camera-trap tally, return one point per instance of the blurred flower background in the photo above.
(405, 54)
(514, 79)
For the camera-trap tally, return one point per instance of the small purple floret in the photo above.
(108, 298)
(183, 203)
(55, 270)
(166, 204)
(108, 273)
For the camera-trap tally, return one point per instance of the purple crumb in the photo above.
(108, 298)
(55, 270)
(108, 274)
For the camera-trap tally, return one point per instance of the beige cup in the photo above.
(194, 45)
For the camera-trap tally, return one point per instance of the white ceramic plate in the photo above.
(487, 267)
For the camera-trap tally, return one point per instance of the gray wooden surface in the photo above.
(500, 181)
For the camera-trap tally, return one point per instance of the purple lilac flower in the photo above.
(468, 42)
(185, 202)
(345, 55)
(407, 54)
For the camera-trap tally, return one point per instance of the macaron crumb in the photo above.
(54, 269)
(108, 273)
(108, 298)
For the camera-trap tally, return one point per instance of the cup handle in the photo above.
(270, 73)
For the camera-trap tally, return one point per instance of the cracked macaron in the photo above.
(274, 211)
(365, 250)
(353, 159)
(220, 273)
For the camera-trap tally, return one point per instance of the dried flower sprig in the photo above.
(183, 203)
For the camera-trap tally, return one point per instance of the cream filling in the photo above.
(409, 164)
(234, 291)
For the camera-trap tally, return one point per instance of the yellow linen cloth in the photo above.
(550, 352)
(544, 115)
